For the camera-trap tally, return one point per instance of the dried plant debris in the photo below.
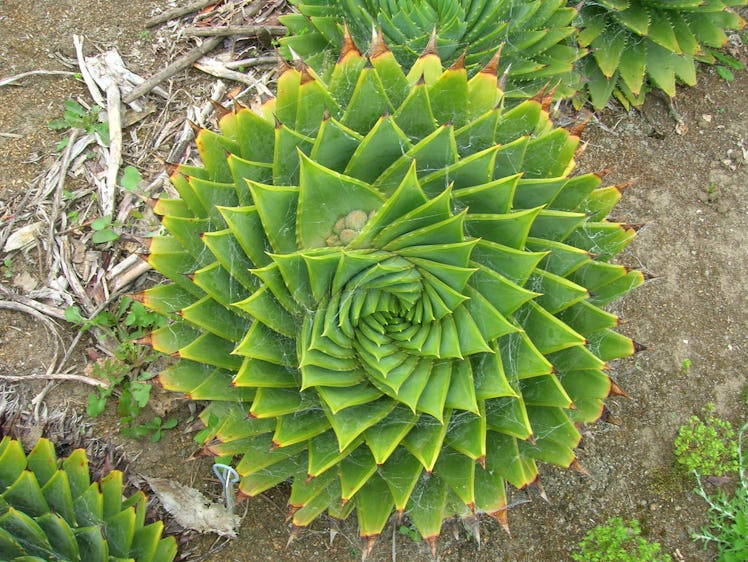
(192, 510)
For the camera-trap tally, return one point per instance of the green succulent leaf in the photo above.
(643, 44)
(534, 40)
(405, 314)
(51, 511)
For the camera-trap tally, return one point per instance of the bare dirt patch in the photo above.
(691, 197)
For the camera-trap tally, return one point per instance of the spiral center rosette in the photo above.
(390, 290)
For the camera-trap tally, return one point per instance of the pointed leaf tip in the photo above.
(602, 173)
(170, 168)
(492, 67)
(579, 128)
(502, 517)
(459, 64)
(431, 46)
(579, 468)
(349, 46)
(371, 540)
(616, 390)
(220, 110)
(194, 126)
(432, 541)
(629, 183)
(539, 487)
(306, 76)
(378, 47)
(293, 535)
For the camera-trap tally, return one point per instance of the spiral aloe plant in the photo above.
(639, 44)
(536, 36)
(53, 512)
(391, 290)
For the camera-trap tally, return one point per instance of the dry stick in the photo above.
(181, 63)
(65, 162)
(87, 78)
(219, 71)
(178, 12)
(45, 309)
(224, 31)
(109, 188)
(256, 61)
(127, 277)
(55, 376)
(11, 79)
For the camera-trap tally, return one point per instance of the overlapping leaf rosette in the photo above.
(537, 37)
(639, 44)
(50, 510)
(390, 289)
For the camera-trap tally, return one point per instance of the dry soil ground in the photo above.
(690, 194)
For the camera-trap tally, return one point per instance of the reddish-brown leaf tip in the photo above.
(578, 467)
(492, 67)
(306, 76)
(616, 390)
(220, 110)
(378, 47)
(145, 340)
(459, 64)
(430, 46)
(349, 46)
(502, 517)
(295, 530)
(432, 542)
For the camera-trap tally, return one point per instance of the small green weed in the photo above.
(686, 365)
(8, 270)
(103, 230)
(617, 541)
(153, 429)
(126, 371)
(725, 65)
(409, 532)
(706, 445)
(728, 516)
(75, 116)
(130, 178)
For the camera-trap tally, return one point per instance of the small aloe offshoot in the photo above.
(51, 510)
(636, 45)
(537, 37)
(391, 291)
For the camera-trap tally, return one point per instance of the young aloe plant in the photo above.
(538, 48)
(391, 290)
(52, 511)
(639, 44)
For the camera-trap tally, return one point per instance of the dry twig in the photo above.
(58, 196)
(178, 12)
(185, 61)
(55, 377)
(108, 192)
(17, 77)
(243, 30)
(87, 78)
(217, 69)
